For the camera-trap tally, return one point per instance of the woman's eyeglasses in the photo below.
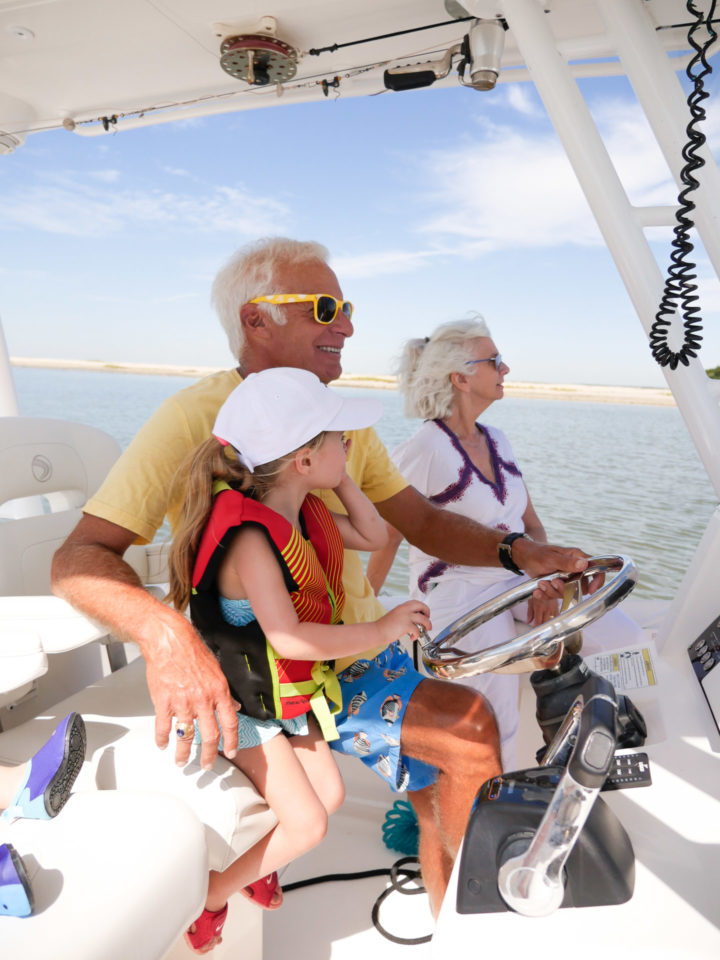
(325, 307)
(497, 360)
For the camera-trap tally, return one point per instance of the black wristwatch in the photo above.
(505, 551)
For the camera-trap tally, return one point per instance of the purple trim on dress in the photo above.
(436, 569)
(455, 490)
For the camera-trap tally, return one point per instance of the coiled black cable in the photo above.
(680, 289)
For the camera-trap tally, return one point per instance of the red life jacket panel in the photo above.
(268, 686)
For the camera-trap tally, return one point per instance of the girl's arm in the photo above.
(381, 561)
(363, 528)
(250, 569)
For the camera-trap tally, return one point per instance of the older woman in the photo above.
(450, 379)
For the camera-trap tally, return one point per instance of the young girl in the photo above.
(259, 559)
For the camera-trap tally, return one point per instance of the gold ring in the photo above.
(185, 729)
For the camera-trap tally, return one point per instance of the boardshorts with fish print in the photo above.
(375, 695)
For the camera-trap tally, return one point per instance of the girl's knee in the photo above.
(308, 826)
(333, 794)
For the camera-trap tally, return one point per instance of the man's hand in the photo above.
(540, 559)
(185, 681)
(184, 678)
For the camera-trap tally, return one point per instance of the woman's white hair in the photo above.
(254, 270)
(425, 365)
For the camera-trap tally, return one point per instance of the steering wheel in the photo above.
(532, 649)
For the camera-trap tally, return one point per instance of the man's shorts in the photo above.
(375, 696)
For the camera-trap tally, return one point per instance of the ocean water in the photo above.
(609, 478)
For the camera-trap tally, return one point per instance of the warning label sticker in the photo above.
(628, 669)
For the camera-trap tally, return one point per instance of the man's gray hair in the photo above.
(425, 366)
(255, 270)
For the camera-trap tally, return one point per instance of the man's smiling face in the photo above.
(301, 341)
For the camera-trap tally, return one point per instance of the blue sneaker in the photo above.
(51, 773)
(16, 896)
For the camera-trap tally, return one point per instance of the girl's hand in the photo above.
(344, 483)
(541, 609)
(404, 621)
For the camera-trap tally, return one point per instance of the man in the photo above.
(449, 743)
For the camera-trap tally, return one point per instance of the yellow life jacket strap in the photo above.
(326, 696)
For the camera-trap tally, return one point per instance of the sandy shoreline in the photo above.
(588, 393)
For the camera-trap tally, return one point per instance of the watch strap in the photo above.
(505, 551)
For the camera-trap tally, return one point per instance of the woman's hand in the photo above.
(404, 620)
(541, 609)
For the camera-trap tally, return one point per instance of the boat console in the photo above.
(631, 871)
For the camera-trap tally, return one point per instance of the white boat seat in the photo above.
(22, 660)
(121, 754)
(113, 859)
(56, 625)
(123, 846)
(50, 469)
(110, 878)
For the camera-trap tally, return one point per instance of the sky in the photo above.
(434, 204)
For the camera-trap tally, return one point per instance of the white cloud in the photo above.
(105, 176)
(522, 98)
(143, 301)
(380, 262)
(510, 189)
(516, 187)
(68, 204)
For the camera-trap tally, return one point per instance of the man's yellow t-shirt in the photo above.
(142, 489)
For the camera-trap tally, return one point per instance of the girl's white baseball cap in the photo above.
(277, 410)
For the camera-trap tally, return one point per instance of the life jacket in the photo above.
(266, 685)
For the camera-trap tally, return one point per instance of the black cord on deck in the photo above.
(400, 877)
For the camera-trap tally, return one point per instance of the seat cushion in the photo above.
(122, 755)
(96, 870)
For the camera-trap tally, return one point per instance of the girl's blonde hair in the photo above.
(213, 461)
(425, 365)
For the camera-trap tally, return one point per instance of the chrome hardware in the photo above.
(533, 883)
(533, 649)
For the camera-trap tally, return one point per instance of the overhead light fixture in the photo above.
(485, 44)
(480, 53)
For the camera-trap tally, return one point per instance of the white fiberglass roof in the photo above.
(74, 62)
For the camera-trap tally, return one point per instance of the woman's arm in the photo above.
(251, 569)
(363, 528)
(381, 561)
(533, 524)
(540, 608)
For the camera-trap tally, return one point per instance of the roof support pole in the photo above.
(613, 212)
(8, 395)
(655, 82)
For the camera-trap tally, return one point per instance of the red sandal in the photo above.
(208, 926)
(262, 891)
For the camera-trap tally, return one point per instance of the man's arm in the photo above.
(183, 676)
(457, 539)
(381, 561)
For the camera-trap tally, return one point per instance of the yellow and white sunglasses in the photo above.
(325, 307)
